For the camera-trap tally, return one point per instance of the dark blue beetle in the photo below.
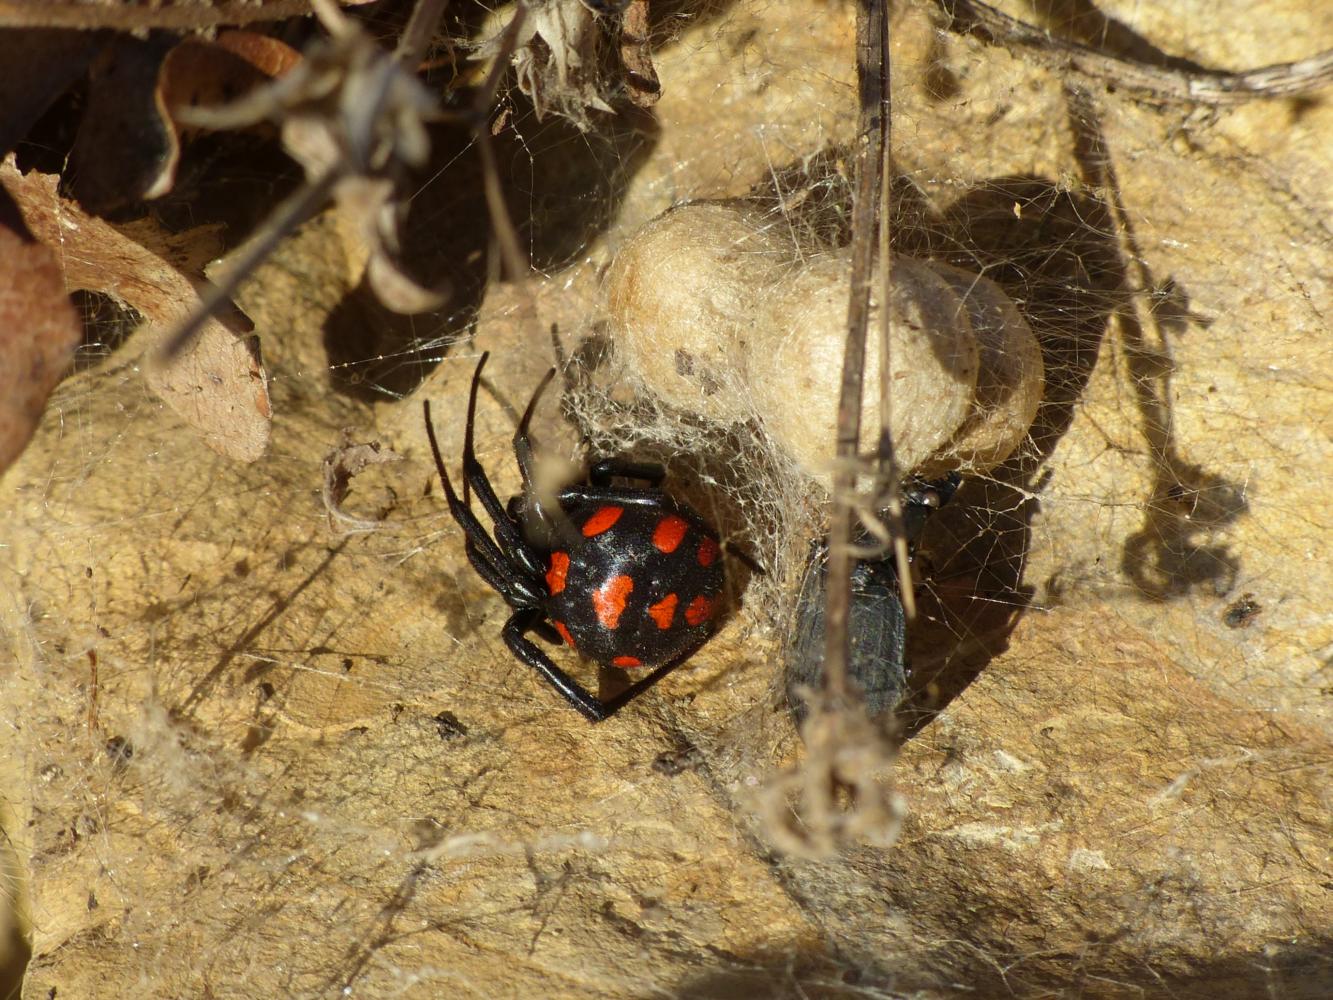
(875, 623)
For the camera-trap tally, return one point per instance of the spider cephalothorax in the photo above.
(626, 575)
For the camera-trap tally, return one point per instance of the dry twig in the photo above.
(1163, 83)
(842, 792)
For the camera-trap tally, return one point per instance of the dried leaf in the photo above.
(557, 59)
(567, 54)
(268, 56)
(200, 72)
(354, 118)
(219, 385)
(138, 17)
(39, 331)
(341, 466)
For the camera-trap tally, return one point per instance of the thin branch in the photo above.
(138, 17)
(290, 214)
(505, 231)
(419, 32)
(873, 71)
(319, 188)
(1159, 82)
(887, 456)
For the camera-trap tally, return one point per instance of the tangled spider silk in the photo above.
(719, 314)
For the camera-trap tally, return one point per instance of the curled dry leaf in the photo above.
(636, 55)
(561, 60)
(376, 217)
(341, 465)
(218, 385)
(128, 144)
(264, 54)
(124, 151)
(557, 60)
(39, 331)
(201, 72)
(198, 72)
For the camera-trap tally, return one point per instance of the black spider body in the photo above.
(640, 586)
(627, 576)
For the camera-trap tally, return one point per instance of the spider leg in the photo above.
(508, 535)
(482, 548)
(745, 559)
(626, 496)
(607, 469)
(515, 637)
(522, 442)
(594, 709)
(517, 591)
(552, 525)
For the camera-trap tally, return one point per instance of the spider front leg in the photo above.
(591, 708)
(517, 590)
(508, 535)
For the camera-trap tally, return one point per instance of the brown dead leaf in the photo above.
(39, 331)
(201, 72)
(128, 144)
(218, 385)
(341, 466)
(355, 120)
(268, 56)
(118, 15)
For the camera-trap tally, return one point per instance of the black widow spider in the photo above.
(627, 576)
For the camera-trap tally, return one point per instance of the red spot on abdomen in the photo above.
(699, 611)
(707, 552)
(609, 599)
(564, 633)
(626, 661)
(664, 610)
(669, 533)
(555, 576)
(601, 520)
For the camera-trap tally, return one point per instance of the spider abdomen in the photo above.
(642, 585)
